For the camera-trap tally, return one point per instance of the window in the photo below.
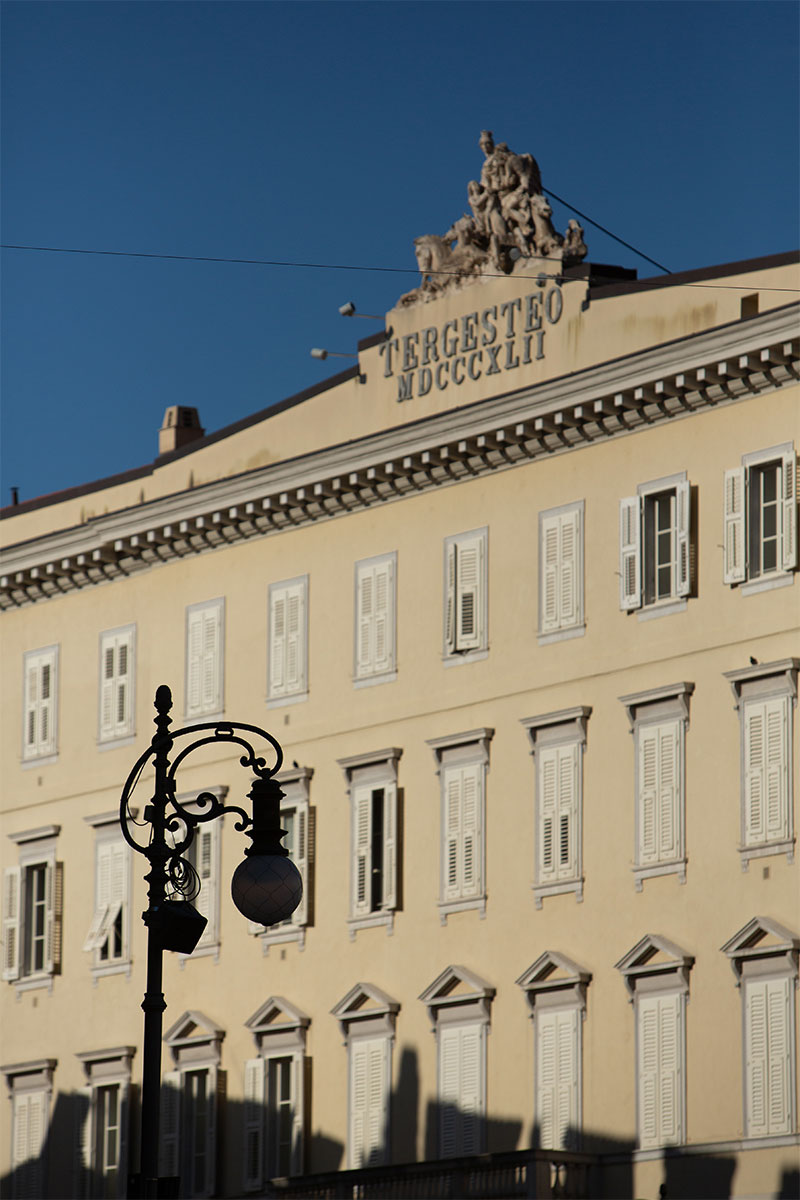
(117, 698)
(288, 640)
(462, 761)
(557, 743)
(205, 635)
(561, 572)
(31, 1086)
(376, 628)
(654, 549)
(108, 939)
(760, 543)
(372, 790)
(766, 694)
(189, 1103)
(102, 1169)
(658, 720)
(367, 1017)
(764, 959)
(555, 988)
(39, 739)
(656, 974)
(32, 909)
(459, 1004)
(274, 1094)
(297, 819)
(465, 591)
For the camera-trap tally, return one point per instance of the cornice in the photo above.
(660, 384)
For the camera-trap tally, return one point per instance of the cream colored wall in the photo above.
(619, 654)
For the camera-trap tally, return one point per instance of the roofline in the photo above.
(681, 277)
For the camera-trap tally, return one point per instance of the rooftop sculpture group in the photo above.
(510, 222)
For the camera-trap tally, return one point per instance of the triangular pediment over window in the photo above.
(760, 938)
(553, 972)
(457, 986)
(365, 1002)
(194, 1029)
(655, 955)
(277, 1015)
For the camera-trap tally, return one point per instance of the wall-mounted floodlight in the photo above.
(349, 310)
(323, 354)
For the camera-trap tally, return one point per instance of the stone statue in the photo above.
(511, 221)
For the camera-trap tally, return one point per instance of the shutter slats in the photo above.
(734, 498)
(630, 565)
(789, 511)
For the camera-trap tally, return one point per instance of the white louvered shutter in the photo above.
(116, 668)
(359, 1101)
(766, 769)
(300, 859)
(169, 1151)
(254, 1093)
(12, 896)
(277, 644)
(547, 1078)
(384, 617)
(471, 850)
(460, 1090)
(470, 1090)
(648, 795)
(294, 663)
(365, 620)
(362, 839)
(449, 1091)
(52, 916)
(39, 733)
(30, 1130)
(377, 1101)
(660, 1054)
(298, 1132)
(450, 601)
(31, 707)
(789, 511)
(548, 814)
(768, 1055)
(211, 670)
(205, 865)
(469, 615)
(734, 526)
(569, 598)
(630, 553)
(549, 595)
(389, 846)
(83, 1142)
(567, 830)
(453, 834)
(683, 519)
(194, 672)
(557, 1077)
(659, 792)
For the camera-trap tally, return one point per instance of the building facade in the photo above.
(517, 595)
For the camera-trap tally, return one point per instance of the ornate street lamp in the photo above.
(266, 886)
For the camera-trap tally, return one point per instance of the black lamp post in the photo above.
(266, 886)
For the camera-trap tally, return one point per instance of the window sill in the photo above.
(666, 608)
(209, 950)
(676, 866)
(115, 743)
(283, 701)
(448, 907)
(767, 850)
(778, 580)
(283, 936)
(458, 659)
(44, 760)
(371, 921)
(561, 635)
(31, 983)
(213, 714)
(363, 681)
(562, 888)
(115, 968)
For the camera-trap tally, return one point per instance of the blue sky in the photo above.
(336, 133)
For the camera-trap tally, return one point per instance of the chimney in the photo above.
(180, 425)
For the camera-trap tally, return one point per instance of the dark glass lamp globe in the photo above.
(266, 888)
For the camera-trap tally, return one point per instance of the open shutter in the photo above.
(453, 833)
(169, 1151)
(12, 896)
(548, 813)
(549, 583)
(648, 795)
(254, 1091)
(471, 855)
(362, 836)
(469, 617)
(390, 846)
(471, 1092)
(450, 601)
(54, 915)
(789, 511)
(683, 518)
(384, 622)
(734, 529)
(669, 737)
(755, 772)
(365, 607)
(630, 553)
(449, 1091)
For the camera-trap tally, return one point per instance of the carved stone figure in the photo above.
(511, 221)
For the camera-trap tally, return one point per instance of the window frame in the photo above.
(37, 849)
(636, 548)
(30, 1082)
(558, 629)
(364, 775)
(658, 708)
(116, 732)
(549, 734)
(369, 675)
(460, 648)
(108, 838)
(279, 1031)
(453, 753)
(279, 695)
(214, 707)
(103, 1069)
(41, 751)
(296, 785)
(738, 534)
(195, 1042)
(762, 683)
